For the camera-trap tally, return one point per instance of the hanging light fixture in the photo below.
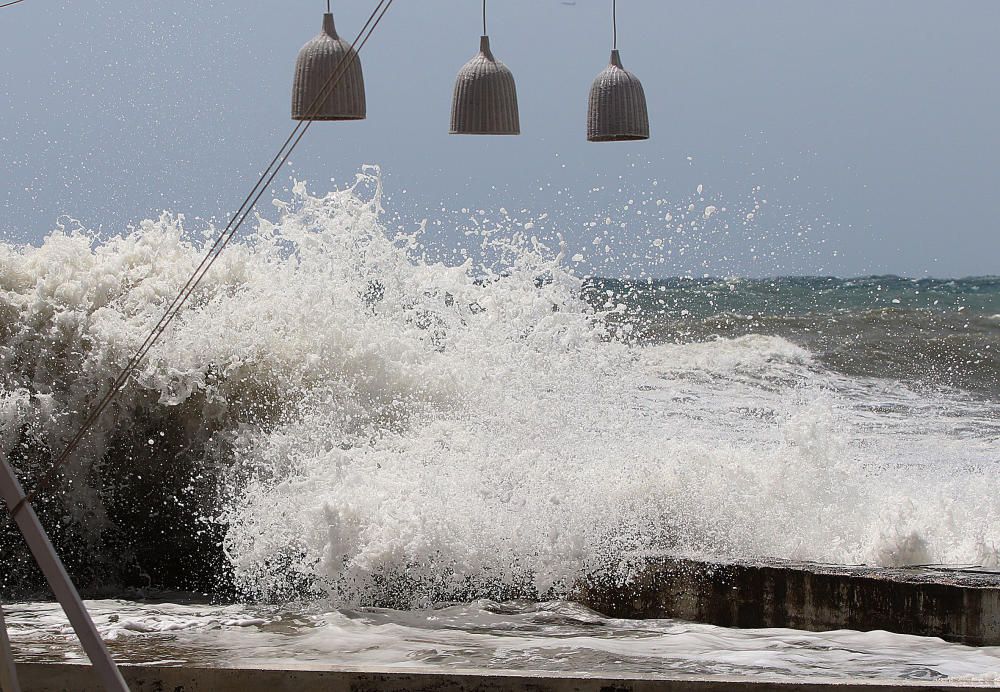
(317, 93)
(485, 101)
(617, 101)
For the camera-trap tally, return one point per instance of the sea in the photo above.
(347, 450)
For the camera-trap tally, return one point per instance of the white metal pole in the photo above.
(8, 673)
(60, 583)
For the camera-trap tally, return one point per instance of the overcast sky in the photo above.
(869, 127)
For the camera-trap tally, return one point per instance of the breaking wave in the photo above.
(337, 415)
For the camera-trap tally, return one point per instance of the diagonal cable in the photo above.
(269, 174)
(166, 318)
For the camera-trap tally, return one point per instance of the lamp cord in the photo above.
(614, 24)
(211, 256)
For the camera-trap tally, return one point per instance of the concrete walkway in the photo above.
(46, 677)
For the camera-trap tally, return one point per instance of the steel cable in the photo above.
(227, 234)
(614, 24)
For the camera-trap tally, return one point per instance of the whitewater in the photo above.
(485, 635)
(338, 416)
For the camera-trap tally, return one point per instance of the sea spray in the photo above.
(336, 416)
(556, 452)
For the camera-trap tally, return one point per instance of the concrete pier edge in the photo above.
(957, 605)
(65, 677)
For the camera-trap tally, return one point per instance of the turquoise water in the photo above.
(933, 332)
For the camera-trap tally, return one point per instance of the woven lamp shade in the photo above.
(617, 106)
(485, 101)
(314, 96)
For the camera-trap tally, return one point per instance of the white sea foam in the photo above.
(554, 636)
(429, 430)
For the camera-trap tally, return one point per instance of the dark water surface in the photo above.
(931, 332)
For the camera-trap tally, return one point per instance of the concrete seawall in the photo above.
(56, 677)
(958, 606)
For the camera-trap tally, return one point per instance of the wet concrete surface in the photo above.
(957, 605)
(77, 678)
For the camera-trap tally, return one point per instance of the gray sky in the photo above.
(870, 127)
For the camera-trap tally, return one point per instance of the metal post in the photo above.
(8, 673)
(52, 567)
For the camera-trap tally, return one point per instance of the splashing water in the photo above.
(343, 417)
(482, 635)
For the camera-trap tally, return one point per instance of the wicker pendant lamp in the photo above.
(328, 83)
(485, 100)
(618, 110)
